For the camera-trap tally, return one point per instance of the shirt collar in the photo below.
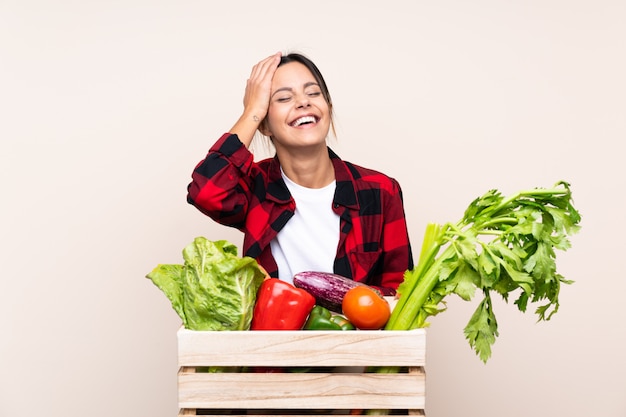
(345, 194)
(276, 189)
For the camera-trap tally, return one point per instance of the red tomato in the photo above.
(365, 308)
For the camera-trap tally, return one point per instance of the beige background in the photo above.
(106, 106)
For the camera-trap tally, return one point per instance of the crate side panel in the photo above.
(282, 413)
(296, 391)
(302, 348)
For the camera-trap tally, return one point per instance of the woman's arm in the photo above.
(221, 183)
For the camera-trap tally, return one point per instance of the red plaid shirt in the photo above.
(233, 190)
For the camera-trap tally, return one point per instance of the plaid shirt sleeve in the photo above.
(219, 188)
(235, 191)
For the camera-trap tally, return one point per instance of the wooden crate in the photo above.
(336, 383)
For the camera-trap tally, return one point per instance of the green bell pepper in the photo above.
(321, 318)
(342, 322)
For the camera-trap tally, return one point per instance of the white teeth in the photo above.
(304, 119)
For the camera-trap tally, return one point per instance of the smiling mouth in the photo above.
(304, 120)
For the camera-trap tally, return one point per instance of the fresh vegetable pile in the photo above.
(502, 244)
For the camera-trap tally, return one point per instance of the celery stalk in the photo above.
(501, 244)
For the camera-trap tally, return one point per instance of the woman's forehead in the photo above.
(292, 75)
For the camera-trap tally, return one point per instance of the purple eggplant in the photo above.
(327, 288)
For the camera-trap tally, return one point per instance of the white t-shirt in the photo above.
(308, 242)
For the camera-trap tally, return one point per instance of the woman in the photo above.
(304, 209)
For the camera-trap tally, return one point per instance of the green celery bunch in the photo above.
(501, 244)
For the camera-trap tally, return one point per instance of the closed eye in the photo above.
(283, 99)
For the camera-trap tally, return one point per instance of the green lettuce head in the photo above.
(215, 289)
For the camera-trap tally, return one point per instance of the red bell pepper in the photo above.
(281, 306)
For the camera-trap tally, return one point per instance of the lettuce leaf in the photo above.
(214, 289)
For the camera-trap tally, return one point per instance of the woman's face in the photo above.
(298, 114)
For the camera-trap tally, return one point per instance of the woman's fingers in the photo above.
(265, 67)
(257, 95)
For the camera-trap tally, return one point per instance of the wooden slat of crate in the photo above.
(301, 390)
(302, 348)
(192, 412)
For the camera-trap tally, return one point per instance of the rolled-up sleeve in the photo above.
(220, 186)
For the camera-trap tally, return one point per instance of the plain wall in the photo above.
(106, 107)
